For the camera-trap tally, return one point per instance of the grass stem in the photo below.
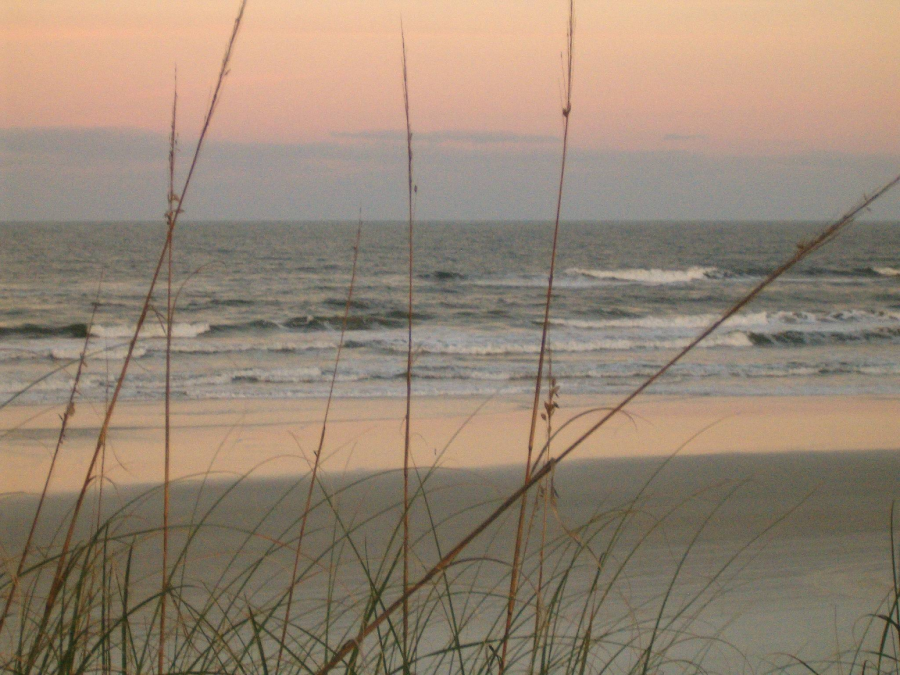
(545, 327)
(409, 362)
(170, 312)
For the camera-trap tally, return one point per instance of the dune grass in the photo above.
(320, 576)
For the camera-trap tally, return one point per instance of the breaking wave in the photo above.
(650, 277)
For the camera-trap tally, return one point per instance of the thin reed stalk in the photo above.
(104, 427)
(318, 455)
(802, 251)
(170, 317)
(63, 428)
(409, 362)
(545, 327)
(543, 500)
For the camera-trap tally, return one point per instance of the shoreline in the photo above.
(274, 437)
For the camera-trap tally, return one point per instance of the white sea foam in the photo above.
(568, 344)
(887, 271)
(73, 352)
(650, 277)
(532, 281)
(887, 369)
(663, 322)
(232, 346)
(151, 330)
(755, 320)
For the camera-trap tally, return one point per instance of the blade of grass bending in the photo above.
(64, 425)
(891, 617)
(409, 359)
(171, 210)
(804, 249)
(545, 326)
(104, 428)
(318, 455)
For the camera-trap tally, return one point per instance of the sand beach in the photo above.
(277, 437)
(798, 488)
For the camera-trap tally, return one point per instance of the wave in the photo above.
(580, 277)
(661, 322)
(843, 273)
(232, 347)
(532, 281)
(392, 319)
(443, 275)
(651, 277)
(795, 338)
(278, 376)
(759, 320)
(36, 331)
(151, 330)
(80, 330)
(213, 303)
(74, 352)
(572, 345)
(341, 303)
(312, 323)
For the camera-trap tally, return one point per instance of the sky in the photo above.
(687, 110)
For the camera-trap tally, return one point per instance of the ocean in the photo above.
(260, 304)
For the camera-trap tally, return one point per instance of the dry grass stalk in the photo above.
(68, 413)
(517, 551)
(104, 427)
(544, 500)
(409, 362)
(803, 250)
(318, 455)
(170, 317)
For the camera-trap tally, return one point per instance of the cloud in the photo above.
(461, 137)
(120, 174)
(84, 143)
(373, 135)
(486, 138)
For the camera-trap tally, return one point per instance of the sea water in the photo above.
(259, 308)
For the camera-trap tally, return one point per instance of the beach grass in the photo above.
(624, 590)
(322, 574)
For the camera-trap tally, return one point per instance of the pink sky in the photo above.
(738, 77)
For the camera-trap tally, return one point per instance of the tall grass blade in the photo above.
(409, 362)
(545, 326)
(170, 316)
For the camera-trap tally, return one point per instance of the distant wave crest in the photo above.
(651, 277)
